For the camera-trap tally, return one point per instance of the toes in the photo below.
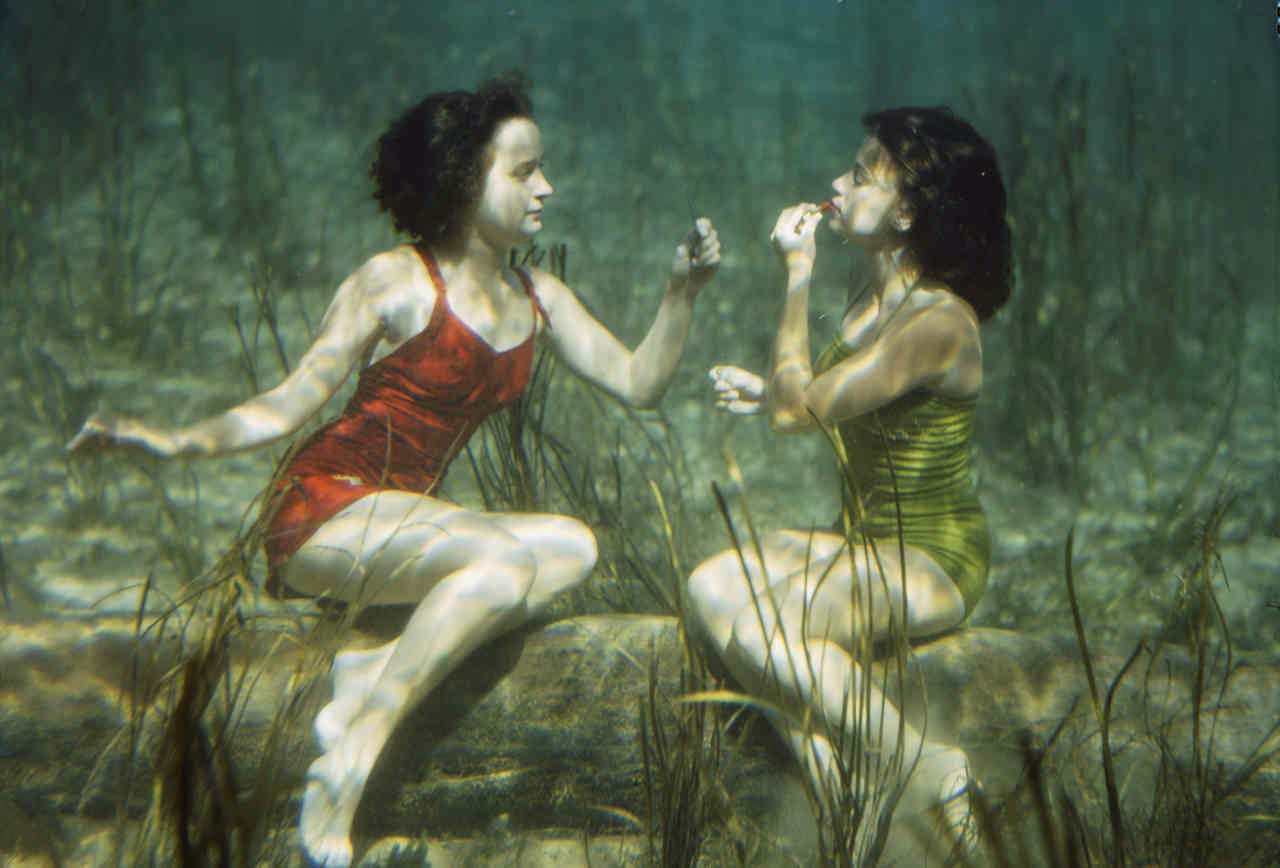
(329, 853)
(320, 843)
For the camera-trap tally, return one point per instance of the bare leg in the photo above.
(464, 611)
(354, 675)
(564, 550)
(719, 592)
(823, 677)
(784, 631)
(473, 578)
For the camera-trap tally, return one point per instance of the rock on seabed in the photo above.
(540, 731)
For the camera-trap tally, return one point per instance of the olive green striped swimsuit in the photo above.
(910, 458)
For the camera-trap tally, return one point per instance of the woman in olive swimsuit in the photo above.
(898, 385)
(442, 332)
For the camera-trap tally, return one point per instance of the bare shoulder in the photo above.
(552, 292)
(385, 272)
(392, 287)
(944, 319)
(938, 309)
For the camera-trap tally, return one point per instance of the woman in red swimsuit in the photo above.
(442, 332)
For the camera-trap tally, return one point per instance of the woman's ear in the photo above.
(902, 218)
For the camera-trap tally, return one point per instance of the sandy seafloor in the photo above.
(640, 137)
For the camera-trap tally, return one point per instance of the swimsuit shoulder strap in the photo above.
(437, 279)
(527, 281)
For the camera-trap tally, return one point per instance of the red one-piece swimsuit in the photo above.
(412, 411)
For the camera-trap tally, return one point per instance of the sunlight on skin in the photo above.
(809, 579)
(787, 628)
(354, 675)
(389, 299)
(473, 576)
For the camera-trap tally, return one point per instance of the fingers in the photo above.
(737, 390)
(740, 379)
(703, 244)
(102, 432)
(95, 434)
(809, 221)
(797, 221)
(740, 408)
(738, 402)
(80, 442)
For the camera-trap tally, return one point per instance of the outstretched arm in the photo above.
(350, 328)
(641, 377)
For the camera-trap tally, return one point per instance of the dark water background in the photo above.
(173, 172)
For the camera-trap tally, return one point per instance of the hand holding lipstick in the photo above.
(826, 207)
(793, 234)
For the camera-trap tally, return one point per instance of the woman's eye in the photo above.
(860, 175)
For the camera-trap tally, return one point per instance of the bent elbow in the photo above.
(647, 400)
(785, 418)
(787, 421)
(643, 390)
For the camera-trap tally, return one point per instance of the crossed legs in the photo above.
(473, 577)
(786, 626)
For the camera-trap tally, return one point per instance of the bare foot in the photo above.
(335, 781)
(354, 675)
(946, 776)
(820, 764)
(327, 812)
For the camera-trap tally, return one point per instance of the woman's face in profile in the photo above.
(869, 206)
(510, 207)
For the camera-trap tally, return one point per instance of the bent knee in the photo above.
(712, 602)
(753, 633)
(706, 592)
(506, 565)
(566, 551)
(761, 656)
(511, 556)
(578, 543)
(502, 579)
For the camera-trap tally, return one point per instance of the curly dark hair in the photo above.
(952, 185)
(429, 165)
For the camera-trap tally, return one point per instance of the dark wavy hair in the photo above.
(429, 165)
(951, 183)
